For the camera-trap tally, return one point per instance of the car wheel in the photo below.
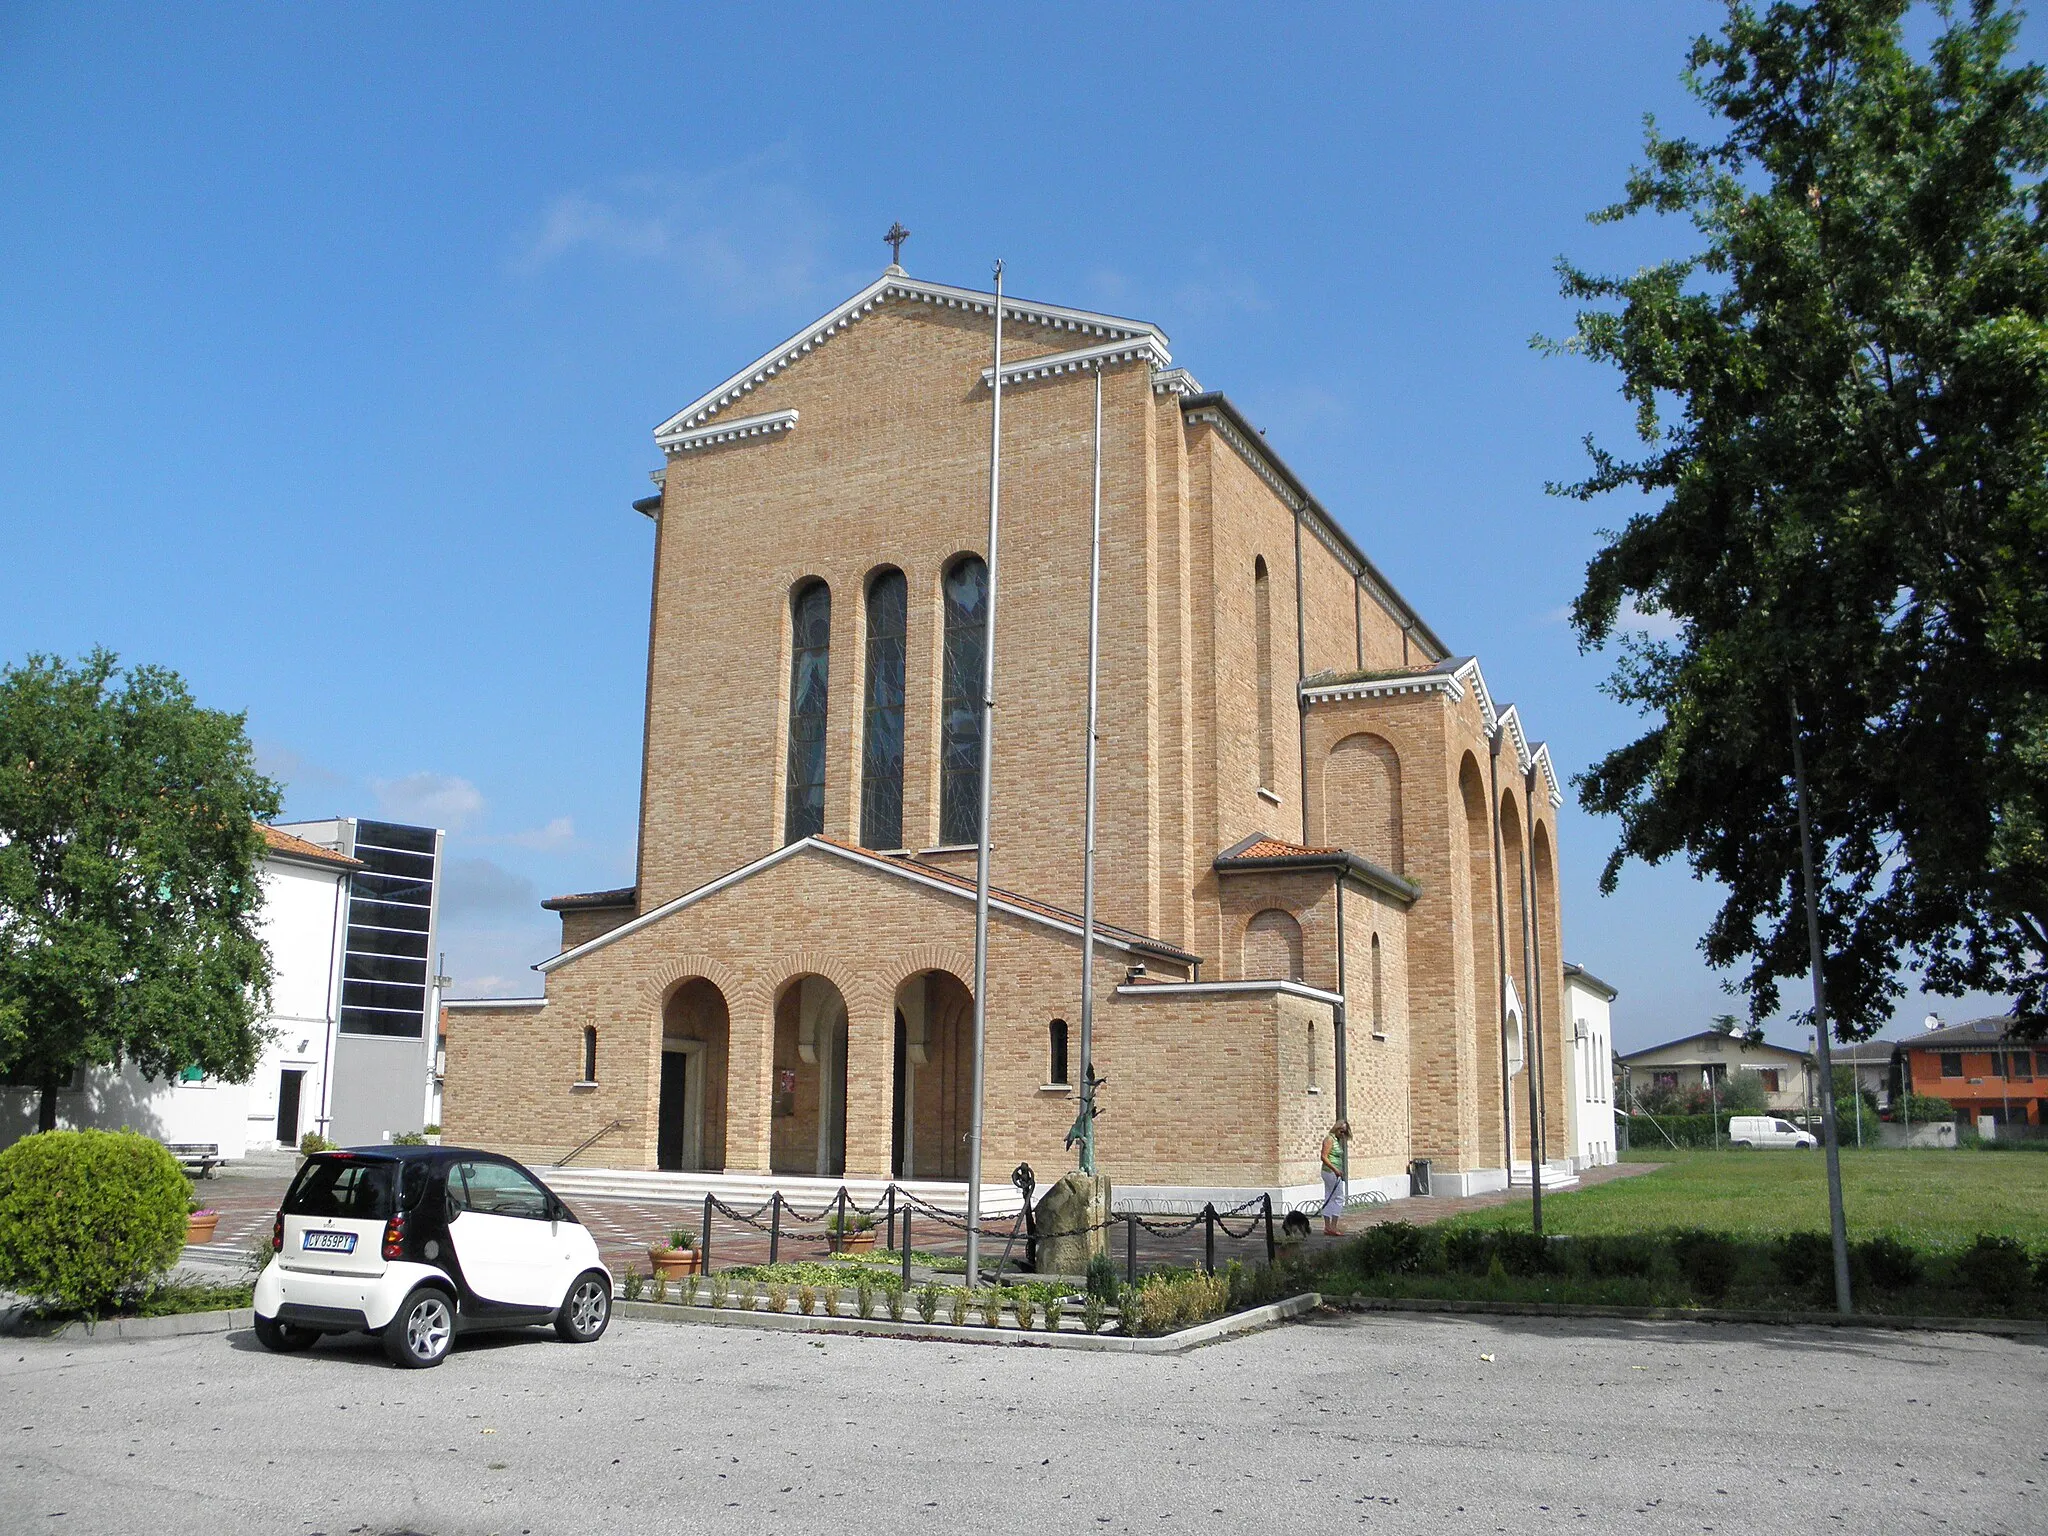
(1742, 1145)
(419, 1334)
(283, 1338)
(586, 1310)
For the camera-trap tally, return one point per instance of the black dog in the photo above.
(1295, 1227)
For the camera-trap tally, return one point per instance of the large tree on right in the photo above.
(1842, 408)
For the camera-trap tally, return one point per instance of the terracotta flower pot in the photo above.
(673, 1261)
(858, 1242)
(199, 1226)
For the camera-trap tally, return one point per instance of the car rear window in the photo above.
(344, 1187)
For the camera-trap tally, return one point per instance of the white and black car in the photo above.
(419, 1243)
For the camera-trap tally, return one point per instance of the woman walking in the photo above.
(1336, 1160)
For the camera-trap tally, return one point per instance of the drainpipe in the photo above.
(1340, 1015)
(1532, 956)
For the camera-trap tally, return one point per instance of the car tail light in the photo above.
(394, 1237)
(277, 1234)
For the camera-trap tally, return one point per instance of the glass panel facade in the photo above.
(966, 589)
(881, 774)
(810, 616)
(384, 989)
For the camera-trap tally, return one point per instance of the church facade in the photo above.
(1326, 871)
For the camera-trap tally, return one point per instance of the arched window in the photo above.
(1262, 629)
(966, 589)
(590, 1054)
(1056, 1052)
(881, 771)
(810, 625)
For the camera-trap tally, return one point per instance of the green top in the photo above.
(1334, 1154)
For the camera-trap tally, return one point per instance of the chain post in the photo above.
(704, 1241)
(1131, 1249)
(774, 1226)
(1209, 1237)
(906, 1247)
(1271, 1251)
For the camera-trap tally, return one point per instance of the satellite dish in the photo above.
(1932, 1021)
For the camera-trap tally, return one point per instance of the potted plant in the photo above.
(199, 1225)
(679, 1257)
(852, 1231)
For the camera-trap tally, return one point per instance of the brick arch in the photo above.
(1362, 798)
(1272, 945)
(955, 962)
(774, 978)
(654, 995)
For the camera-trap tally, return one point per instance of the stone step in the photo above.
(747, 1190)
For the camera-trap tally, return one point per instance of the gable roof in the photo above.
(902, 867)
(1259, 854)
(1574, 972)
(1985, 1033)
(895, 284)
(1737, 1040)
(297, 850)
(1451, 676)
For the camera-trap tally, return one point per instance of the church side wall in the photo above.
(1377, 1034)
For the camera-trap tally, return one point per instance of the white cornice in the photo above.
(1387, 687)
(1176, 381)
(1147, 349)
(492, 1004)
(1542, 760)
(767, 425)
(1225, 989)
(890, 286)
(1469, 674)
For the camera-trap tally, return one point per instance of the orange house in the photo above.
(1980, 1069)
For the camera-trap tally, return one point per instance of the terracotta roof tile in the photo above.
(1277, 848)
(290, 845)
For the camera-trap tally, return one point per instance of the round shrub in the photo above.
(1398, 1248)
(1708, 1261)
(1469, 1249)
(87, 1217)
(1996, 1268)
(1890, 1264)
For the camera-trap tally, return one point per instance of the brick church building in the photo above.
(1326, 875)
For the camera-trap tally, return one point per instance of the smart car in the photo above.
(419, 1243)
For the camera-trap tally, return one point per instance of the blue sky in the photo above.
(334, 338)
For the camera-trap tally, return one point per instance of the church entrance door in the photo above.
(672, 1133)
(934, 1077)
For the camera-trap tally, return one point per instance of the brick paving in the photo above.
(248, 1197)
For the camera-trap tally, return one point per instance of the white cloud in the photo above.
(559, 833)
(429, 799)
(746, 236)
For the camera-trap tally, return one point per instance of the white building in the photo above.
(305, 903)
(1589, 1100)
(350, 913)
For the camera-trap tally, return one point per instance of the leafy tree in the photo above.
(1843, 404)
(129, 877)
(1742, 1093)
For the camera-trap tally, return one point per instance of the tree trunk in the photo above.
(46, 1112)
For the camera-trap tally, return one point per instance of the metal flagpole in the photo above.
(1838, 1227)
(988, 733)
(1087, 1125)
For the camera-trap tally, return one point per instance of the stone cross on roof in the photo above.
(894, 239)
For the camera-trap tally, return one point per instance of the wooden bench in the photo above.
(201, 1155)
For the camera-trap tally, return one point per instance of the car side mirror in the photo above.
(449, 1206)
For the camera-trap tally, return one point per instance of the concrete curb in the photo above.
(177, 1326)
(885, 1328)
(2003, 1327)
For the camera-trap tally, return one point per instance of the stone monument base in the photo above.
(1070, 1220)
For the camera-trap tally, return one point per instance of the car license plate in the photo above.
(330, 1242)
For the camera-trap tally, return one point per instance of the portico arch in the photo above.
(696, 1048)
(934, 1077)
(807, 1128)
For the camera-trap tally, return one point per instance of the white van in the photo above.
(1767, 1131)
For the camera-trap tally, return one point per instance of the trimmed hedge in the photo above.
(1684, 1268)
(89, 1218)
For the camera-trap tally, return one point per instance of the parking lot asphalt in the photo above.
(1381, 1423)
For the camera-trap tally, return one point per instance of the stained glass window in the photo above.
(810, 616)
(966, 589)
(881, 774)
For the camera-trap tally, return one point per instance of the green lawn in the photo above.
(1935, 1200)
